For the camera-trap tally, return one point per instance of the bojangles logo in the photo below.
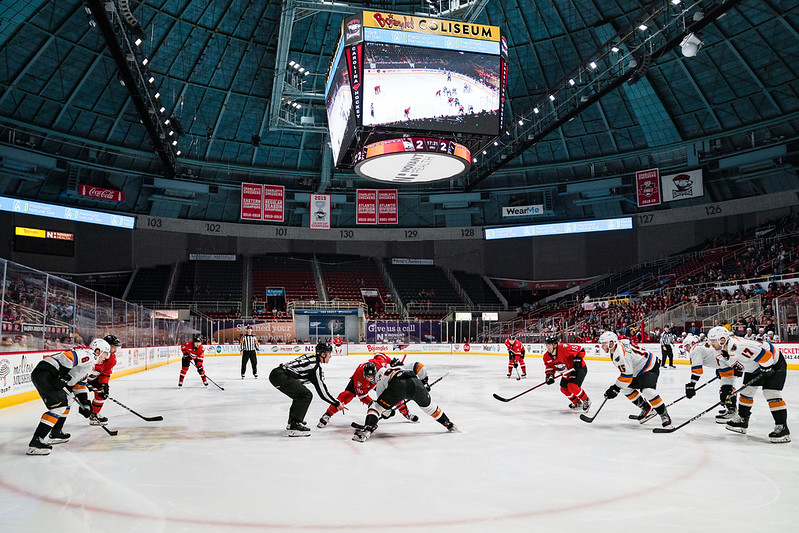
(388, 21)
(391, 21)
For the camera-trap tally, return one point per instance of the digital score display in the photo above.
(559, 228)
(41, 241)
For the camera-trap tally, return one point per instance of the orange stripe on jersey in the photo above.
(697, 370)
(626, 379)
(79, 387)
(746, 400)
(729, 373)
(776, 403)
(657, 400)
(49, 419)
(765, 356)
(437, 413)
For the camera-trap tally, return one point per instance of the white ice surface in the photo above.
(220, 461)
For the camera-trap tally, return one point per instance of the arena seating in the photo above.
(425, 288)
(150, 284)
(209, 281)
(476, 288)
(294, 273)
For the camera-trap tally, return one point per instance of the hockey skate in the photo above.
(296, 429)
(362, 435)
(452, 428)
(509, 374)
(180, 383)
(780, 434)
(97, 420)
(645, 409)
(323, 421)
(412, 418)
(724, 416)
(524, 376)
(738, 424)
(586, 405)
(576, 407)
(665, 420)
(58, 437)
(37, 446)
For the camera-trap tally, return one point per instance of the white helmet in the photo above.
(608, 336)
(690, 340)
(717, 333)
(100, 344)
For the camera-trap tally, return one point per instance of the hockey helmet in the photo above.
(419, 370)
(689, 340)
(551, 339)
(100, 344)
(370, 372)
(717, 333)
(608, 337)
(197, 337)
(323, 347)
(112, 340)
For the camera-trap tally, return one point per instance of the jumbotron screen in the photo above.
(402, 73)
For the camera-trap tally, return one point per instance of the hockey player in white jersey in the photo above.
(639, 371)
(59, 378)
(393, 386)
(761, 360)
(702, 354)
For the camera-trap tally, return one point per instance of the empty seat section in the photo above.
(150, 284)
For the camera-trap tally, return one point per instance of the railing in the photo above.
(727, 313)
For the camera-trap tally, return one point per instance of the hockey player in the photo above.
(360, 386)
(564, 357)
(289, 378)
(59, 378)
(639, 371)
(192, 351)
(394, 385)
(759, 360)
(99, 378)
(515, 355)
(704, 355)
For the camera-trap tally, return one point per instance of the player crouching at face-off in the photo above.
(639, 371)
(569, 358)
(60, 378)
(395, 385)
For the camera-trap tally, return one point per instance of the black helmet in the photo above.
(551, 339)
(112, 340)
(370, 371)
(323, 347)
(198, 337)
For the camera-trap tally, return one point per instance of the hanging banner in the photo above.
(274, 200)
(252, 201)
(387, 206)
(682, 186)
(366, 206)
(647, 185)
(320, 211)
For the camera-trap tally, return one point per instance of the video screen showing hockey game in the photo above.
(338, 103)
(427, 88)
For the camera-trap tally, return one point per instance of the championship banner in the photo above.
(274, 200)
(320, 211)
(387, 206)
(101, 194)
(366, 206)
(647, 186)
(683, 185)
(252, 201)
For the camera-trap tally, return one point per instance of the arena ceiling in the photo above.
(220, 67)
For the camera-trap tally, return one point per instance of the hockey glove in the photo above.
(612, 392)
(511, 355)
(426, 383)
(690, 390)
(550, 379)
(766, 373)
(103, 391)
(395, 362)
(84, 406)
(93, 385)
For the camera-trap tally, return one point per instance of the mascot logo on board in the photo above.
(5, 371)
(466, 347)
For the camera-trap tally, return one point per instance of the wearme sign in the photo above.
(523, 210)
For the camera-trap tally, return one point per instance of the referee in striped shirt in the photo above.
(248, 344)
(290, 378)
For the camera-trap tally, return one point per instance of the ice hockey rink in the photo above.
(219, 461)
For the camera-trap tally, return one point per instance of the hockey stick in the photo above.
(706, 411)
(518, 375)
(147, 418)
(501, 399)
(214, 382)
(111, 432)
(652, 415)
(589, 419)
(356, 425)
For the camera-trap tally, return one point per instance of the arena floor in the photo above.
(220, 461)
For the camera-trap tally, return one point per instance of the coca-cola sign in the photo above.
(101, 194)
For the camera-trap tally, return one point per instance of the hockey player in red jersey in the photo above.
(59, 379)
(99, 378)
(360, 386)
(563, 357)
(515, 355)
(192, 351)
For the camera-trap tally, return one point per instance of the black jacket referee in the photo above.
(289, 378)
(248, 344)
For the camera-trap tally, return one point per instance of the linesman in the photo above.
(248, 344)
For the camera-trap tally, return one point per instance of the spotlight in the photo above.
(157, 96)
(571, 82)
(145, 61)
(166, 122)
(174, 143)
(642, 27)
(521, 122)
(592, 65)
(690, 45)
(614, 49)
(535, 110)
(162, 109)
(552, 97)
(152, 79)
(137, 42)
(177, 153)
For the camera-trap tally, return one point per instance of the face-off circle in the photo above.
(412, 160)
